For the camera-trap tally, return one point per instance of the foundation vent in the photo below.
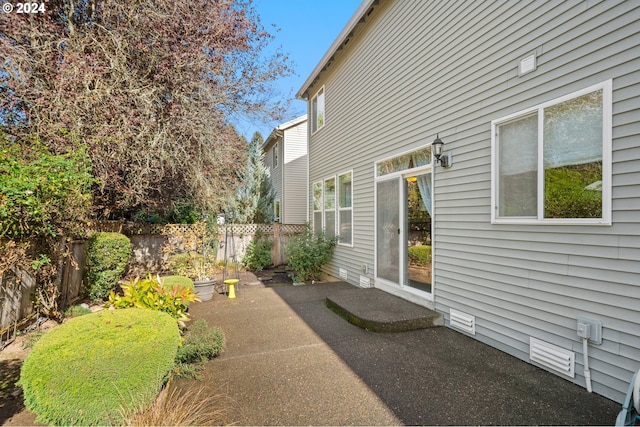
(462, 321)
(365, 282)
(343, 273)
(551, 356)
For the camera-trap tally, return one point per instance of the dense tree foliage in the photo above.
(254, 203)
(148, 86)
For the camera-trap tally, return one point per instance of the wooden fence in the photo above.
(17, 287)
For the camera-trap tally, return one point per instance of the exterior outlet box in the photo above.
(590, 328)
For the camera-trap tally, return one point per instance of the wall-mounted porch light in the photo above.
(443, 159)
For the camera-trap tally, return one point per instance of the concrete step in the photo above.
(379, 311)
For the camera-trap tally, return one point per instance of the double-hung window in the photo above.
(345, 209)
(330, 206)
(317, 207)
(552, 163)
(317, 111)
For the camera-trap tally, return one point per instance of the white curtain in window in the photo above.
(424, 185)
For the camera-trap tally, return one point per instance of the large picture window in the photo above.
(552, 162)
(317, 111)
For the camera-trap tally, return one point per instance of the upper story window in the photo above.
(317, 110)
(552, 163)
(275, 155)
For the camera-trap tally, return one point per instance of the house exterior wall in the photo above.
(294, 200)
(275, 172)
(418, 68)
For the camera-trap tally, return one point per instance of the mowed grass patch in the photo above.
(87, 370)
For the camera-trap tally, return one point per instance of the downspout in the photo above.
(585, 354)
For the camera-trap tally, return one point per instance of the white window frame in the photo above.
(606, 88)
(316, 125)
(343, 209)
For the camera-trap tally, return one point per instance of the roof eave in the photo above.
(343, 37)
(278, 131)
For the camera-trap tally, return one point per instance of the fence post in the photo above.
(276, 244)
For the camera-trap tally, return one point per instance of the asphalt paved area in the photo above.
(289, 360)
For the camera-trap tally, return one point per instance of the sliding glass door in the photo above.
(388, 229)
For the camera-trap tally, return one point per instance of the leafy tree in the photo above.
(45, 197)
(148, 86)
(254, 203)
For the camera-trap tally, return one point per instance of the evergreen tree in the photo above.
(254, 202)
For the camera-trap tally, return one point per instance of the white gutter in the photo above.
(343, 37)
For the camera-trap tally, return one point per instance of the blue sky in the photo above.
(307, 29)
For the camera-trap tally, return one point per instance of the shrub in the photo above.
(420, 255)
(171, 281)
(568, 193)
(193, 265)
(107, 257)
(191, 251)
(85, 370)
(150, 294)
(201, 343)
(258, 255)
(43, 194)
(308, 253)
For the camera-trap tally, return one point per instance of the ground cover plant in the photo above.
(85, 371)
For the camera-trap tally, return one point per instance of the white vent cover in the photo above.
(551, 356)
(527, 64)
(365, 282)
(343, 273)
(462, 321)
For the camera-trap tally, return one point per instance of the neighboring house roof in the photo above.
(278, 131)
(358, 18)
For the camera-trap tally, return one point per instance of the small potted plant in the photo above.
(189, 253)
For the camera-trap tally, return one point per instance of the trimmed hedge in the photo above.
(107, 258)
(91, 369)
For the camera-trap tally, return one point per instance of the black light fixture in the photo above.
(437, 147)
